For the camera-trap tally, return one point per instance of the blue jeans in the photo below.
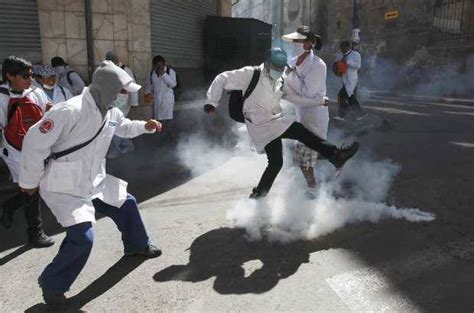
(75, 249)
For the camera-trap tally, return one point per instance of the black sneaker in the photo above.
(343, 154)
(150, 252)
(39, 239)
(7, 217)
(256, 194)
(53, 298)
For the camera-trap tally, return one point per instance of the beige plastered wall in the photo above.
(120, 25)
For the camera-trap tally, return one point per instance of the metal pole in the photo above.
(357, 8)
(356, 14)
(89, 39)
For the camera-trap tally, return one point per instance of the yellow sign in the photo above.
(391, 15)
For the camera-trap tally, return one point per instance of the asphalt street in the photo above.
(208, 265)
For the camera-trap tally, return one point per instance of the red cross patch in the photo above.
(46, 126)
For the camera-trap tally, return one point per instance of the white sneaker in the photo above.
(339, 118)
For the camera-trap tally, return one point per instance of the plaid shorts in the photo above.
(304, 156)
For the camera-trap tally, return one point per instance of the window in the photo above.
(452, 22)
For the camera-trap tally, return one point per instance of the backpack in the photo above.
(22, 114)
(339, 68)
(236, 100)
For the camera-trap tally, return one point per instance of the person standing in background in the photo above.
(68, 78)
(349, 60)
(46, 79)
(21, 105)
(160, 90)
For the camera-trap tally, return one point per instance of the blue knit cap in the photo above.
(277, 58)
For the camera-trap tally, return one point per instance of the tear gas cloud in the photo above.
(359, 194)
(424, 73)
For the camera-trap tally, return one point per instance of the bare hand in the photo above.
(289, 70)
(161, 71)
(326, 102)
(153, 125)
(148, 97)
(31, 191)
(209, 109)
(49, 105)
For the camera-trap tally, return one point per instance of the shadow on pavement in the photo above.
(153, 168)
(101, 285)
(222, 252)
(14, 254)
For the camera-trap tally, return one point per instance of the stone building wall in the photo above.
(121, 25)
(333, 20)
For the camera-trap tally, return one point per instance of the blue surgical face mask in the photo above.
(274, 74)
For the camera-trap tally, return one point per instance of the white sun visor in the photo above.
(293, 36)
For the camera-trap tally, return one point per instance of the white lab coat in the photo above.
(163, 95)
(13, 158)
(132, 96)
(351, 76)
(263, 114)
(69, 184)
(306, 88)
(77, 84)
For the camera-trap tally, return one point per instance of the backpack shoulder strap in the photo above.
(4, 91)
(12, 110)
(57, 155)
(151, 75)
(68, 77)
(253, 83)
(63, 91)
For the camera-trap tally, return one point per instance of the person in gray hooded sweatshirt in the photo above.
(73, 139)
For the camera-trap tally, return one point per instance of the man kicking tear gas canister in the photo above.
(266, 123)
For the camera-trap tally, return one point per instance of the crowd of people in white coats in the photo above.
(56, 134)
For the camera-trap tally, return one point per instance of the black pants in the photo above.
(31, 207)
(168, 133)
(348, 106)
(274, 151)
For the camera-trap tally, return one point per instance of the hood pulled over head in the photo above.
(107, 81)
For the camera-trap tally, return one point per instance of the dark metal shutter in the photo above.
(177, 30)
(19, 30)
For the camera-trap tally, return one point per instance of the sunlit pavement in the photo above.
(392, 266)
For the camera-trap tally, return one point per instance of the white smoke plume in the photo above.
(357, 195)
